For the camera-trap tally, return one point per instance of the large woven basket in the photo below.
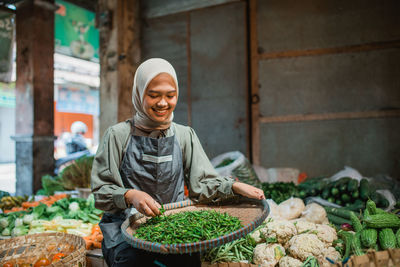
(250, 212)
(30, 248)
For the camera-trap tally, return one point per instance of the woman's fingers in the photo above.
(153, 206)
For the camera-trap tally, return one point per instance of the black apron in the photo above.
(155, 167)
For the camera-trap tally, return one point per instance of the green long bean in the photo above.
(187, 227)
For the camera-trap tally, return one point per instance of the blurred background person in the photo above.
(77, 142)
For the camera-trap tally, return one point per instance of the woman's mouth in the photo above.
(160, 112)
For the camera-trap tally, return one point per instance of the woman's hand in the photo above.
(142, 202)
(247, 190)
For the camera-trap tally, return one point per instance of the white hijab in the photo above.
(144, 74)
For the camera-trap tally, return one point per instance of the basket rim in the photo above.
(196, 246)
(78, 255)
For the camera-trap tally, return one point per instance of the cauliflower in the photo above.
(303, 227)
(288, 261)
(257, 236)
(330, 253)
(304, 245)
(268, 255)
(282, 231)
(326, 233)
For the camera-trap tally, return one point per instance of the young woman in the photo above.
(145, 162)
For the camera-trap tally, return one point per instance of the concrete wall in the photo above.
(7, 129)
(361, 73)
(208, 49)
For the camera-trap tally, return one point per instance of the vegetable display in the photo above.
(187, 227)
(58, 213)
(279, 191)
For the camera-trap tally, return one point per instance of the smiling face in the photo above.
(160, 97)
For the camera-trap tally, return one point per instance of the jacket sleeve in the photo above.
(107, 185)
(205, 184)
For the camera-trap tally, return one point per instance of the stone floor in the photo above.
(7, 177)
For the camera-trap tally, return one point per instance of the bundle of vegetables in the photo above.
(279, 191)
(78, 174)
(187, 227)
(346, 192)
(94, 239)
(240, 250)
(50, 185)
(12, 202)
(31, 204)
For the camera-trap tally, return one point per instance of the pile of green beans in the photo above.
(187, 227)
(236, 251)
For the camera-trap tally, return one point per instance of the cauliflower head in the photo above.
(304, 245)
(257, 236)
(268, 255)
(288, 261)
(326, 233)
(281, 230)
(304, 226)
(330, 253)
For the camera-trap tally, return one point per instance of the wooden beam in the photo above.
(331, 116)
(254, 98)
(333, 50)
(129, 54)
(152, 9)
(120, 55)
(189, 74)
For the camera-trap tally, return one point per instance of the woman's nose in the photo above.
(162, 102)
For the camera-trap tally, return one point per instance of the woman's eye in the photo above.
(153, 96)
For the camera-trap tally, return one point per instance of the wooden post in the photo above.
(255, 99)
(34, 94)
(118, 22)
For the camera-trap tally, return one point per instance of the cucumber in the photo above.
(355, 222)
(356, 206)
(387, 238)
(369, 237)
(348, 240)
(337, 220)
(345, 198)
(388, 220)
(356, 245)
(325, 193)
(371, 207)
(398, 238)
(352, 185)
(340, 212)
(334, 191)
(355, 194)
(364, 189)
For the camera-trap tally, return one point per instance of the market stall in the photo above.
(322, 221)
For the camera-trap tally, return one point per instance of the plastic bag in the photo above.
(273, 175)
(347, 172)
(273, 210)
(291, 208)
(236, 164)
(389, 196)
(314, 213)
(321, 201)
